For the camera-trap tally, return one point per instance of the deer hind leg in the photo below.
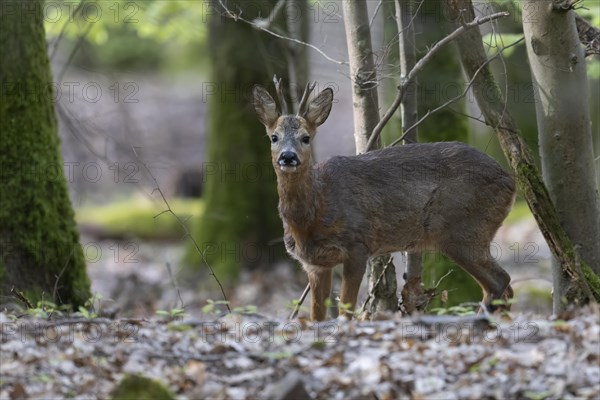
(351, 278)
(478, 262)
(320, 287)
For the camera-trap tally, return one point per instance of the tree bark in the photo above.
(40, 254)
(297, 26)
(362, 71)
(560, 85)
(408, 108)
(240, 219)
(528, 178)
(366, 116)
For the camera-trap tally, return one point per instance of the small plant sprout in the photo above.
(172, 314)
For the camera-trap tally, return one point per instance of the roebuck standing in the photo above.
(444, 197)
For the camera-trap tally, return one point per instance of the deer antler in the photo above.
(280, 95)
(309, 88)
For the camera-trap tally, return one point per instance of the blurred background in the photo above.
(155, 95)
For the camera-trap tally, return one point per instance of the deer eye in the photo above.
(306, 139)
(274, 138)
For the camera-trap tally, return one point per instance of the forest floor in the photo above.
(256, 353)
(250, 356)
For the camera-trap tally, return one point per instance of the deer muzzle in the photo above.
(288, 159)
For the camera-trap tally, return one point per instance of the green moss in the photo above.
(141, 218)
(530, 182)
(38, 234)
(461, 287)
(137, 387)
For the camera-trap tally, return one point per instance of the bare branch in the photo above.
(264, 28)
(454, 99)
(63, 30)
(183, 226)
(268, 22)
(419, 66)
(379, 4)
(299, 303)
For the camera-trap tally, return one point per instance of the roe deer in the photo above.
(444, 197)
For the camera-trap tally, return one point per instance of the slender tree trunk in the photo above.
(362, 71)
(298, 28)
(560, 85)
(40, 254)
(408, 59)
(366, 116)
(528, 178)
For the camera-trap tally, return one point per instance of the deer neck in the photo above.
(298, 198)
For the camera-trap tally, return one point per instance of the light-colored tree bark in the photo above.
(297, 26)
(408, 59)
(366, 116)
(560, 84)
(473, 58)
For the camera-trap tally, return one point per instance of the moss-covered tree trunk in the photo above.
(527, 175)
(240, 227)
(39, 241)
(558, 68)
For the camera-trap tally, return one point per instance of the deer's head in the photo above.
(291, 135)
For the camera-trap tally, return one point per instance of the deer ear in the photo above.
(264, 105)
(318, 109)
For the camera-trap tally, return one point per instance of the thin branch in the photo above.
(62, 271)
(268, 22)
(63, 30)
(19, 295)
(454, 99)
(442, 278)
(264, 28)
(80, 40)
(175, 285)
(375, 13)
(299, 303)
(183, 226)
(379, 279)
(419, 66)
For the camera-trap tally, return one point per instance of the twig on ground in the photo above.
(299, 303)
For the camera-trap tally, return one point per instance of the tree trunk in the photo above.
(528, 178)
(240, 221)
(40, 254)
(408, 108)
(366, 116)
(560, 85)
(298, 54)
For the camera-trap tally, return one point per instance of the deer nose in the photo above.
(288, 158)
